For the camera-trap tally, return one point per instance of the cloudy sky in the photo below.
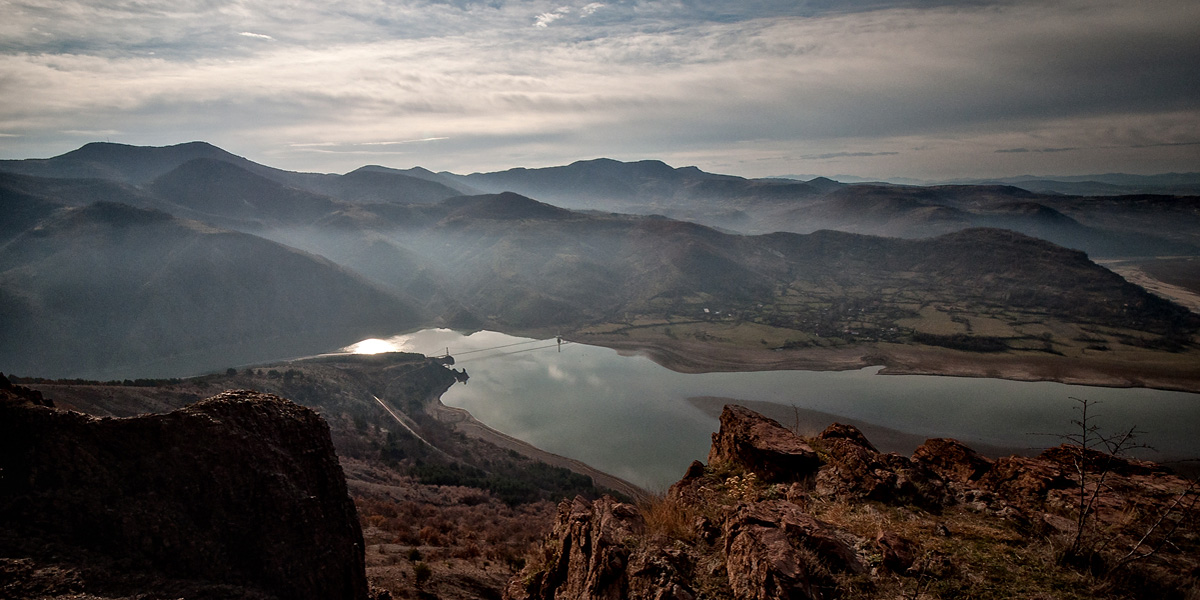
(887, 88)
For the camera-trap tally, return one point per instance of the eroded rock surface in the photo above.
(591, 558)
(746, 526)
(237, 496)
(854, 469)
(761, 445)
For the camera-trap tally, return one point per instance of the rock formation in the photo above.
(761, 445)
(776, 517)
(237, 496)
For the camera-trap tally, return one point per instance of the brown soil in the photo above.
(1159, 370)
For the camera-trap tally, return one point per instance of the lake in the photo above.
(642, 422)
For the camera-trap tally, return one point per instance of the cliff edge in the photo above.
(237, 496)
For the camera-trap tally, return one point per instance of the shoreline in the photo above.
(686, 356)
(464, 422)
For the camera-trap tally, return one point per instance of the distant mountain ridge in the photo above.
(190, 255)
(1101, 184)
(107, 289)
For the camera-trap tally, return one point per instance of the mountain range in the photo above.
(163, 261)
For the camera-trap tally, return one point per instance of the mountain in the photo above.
(1112, 226)
(527, 265)
(214, 188)
(1110, 184)
(107, 289)
(948, 277)
(374, 183)
(121, 163)
(768, 205)
(22, 208)
(140, 165)
(752, 206)
(602, 183)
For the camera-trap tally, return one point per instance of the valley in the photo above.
(381, 251)
(138, 280)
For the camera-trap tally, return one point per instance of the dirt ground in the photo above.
(1160, 370)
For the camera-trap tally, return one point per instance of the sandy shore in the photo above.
(1137, 276)
(1158, 370)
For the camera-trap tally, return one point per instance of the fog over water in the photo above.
(630, 417)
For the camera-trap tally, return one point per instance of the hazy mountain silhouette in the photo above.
(121, 162)
(601, 183)
(113, 286)
(1108, 184)
(374, 183)
(1103, 225)
(767, 205)
(221, 189)
(561, 269)
(109, 289)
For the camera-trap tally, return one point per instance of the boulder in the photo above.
(761, 445)
(854, 469)
(847, 432)
(1069, 456)
(776, 551)
(592, 558)
(953, 460)
(1024, 481)
(898, 552)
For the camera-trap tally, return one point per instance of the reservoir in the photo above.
(630, 417)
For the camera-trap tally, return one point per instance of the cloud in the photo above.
(845, 154)
(259, 36)
(388, 143)
(545, 19)
(1038, 150)
(92, 132)
(739, 86)
(556, 373)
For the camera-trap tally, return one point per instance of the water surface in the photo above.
(630, 417)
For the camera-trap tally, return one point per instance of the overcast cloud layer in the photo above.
(755, 88)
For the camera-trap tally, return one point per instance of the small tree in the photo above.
(1093, 456)
(421, 573)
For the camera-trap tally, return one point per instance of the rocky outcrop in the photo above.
(591, 558)
(762, 446)
(242, 491)
(776, 551)
(746, 526)
(1024, 481)
(854, 469)
(953, 460)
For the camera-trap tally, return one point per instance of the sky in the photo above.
(879, 89)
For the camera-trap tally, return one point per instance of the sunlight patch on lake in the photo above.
(372, 346)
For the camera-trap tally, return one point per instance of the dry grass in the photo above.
(666, 517)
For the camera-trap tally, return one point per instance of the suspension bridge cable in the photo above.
(494, 348)
(555, 345)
